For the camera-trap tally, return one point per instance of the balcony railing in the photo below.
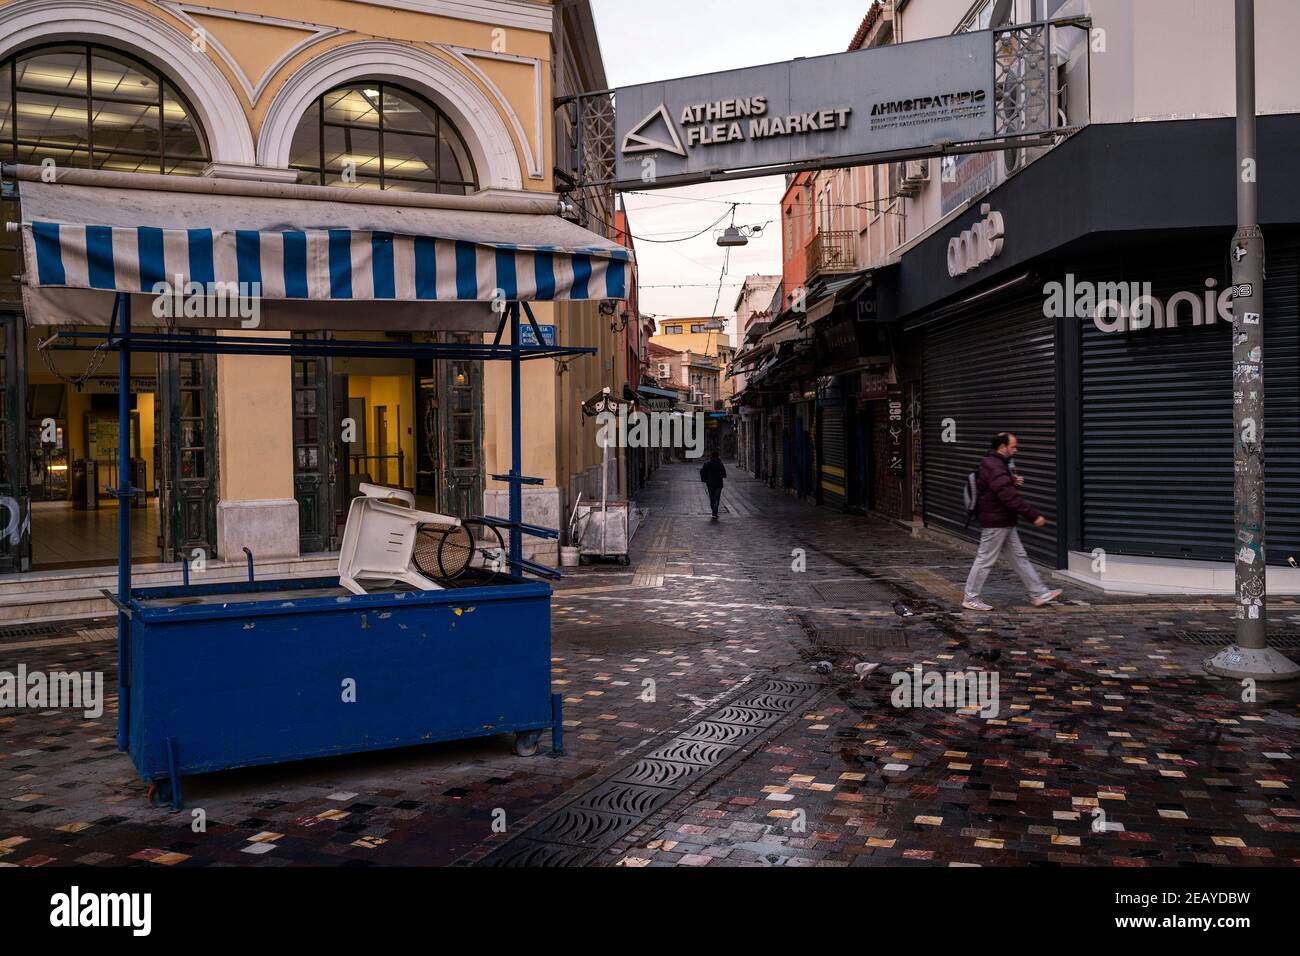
(832, 251)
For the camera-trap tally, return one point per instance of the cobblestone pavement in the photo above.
(700, 729)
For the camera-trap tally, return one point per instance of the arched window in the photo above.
(92, 107)
(375, 135)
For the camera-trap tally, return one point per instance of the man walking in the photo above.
(998, 505)
(712, 474)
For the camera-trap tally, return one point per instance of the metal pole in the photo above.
(516, 448)
(123, 517)
(1250, 656)
(604, 490)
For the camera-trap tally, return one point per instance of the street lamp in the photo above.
(732, 236)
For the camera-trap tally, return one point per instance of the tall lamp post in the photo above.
(1250, 656)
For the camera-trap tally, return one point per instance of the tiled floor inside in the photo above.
(65, 537)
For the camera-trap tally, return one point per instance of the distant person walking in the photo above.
(997, 505)
(713, 474)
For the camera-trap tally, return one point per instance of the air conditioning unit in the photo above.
(665, 370)
(916, 172)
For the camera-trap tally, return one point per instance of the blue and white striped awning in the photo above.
(320, 264)
(137, 241)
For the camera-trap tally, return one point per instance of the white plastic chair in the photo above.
(382, 493)
(379, 539)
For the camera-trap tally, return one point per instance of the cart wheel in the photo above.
(455, 551)
(489, 549)
(584, 559)
(160, 792)
(526, 743)
(427, 553)
(625, 560)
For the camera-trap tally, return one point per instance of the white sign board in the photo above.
(908, 96)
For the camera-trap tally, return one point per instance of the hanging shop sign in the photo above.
(874, 385)
(897, 431)
(107, 385)
(962, 178)
(528, 337)
(906, 96)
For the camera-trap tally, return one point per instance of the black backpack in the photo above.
(971, 496)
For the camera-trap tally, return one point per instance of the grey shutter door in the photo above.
(1157, 423)
(985, 372)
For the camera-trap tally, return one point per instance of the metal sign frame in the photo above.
(1024, 116)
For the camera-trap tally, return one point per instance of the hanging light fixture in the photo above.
(732, 236)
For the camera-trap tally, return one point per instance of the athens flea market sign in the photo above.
(907, 96)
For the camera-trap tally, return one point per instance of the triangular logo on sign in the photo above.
(636, 141)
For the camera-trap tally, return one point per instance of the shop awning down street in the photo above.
(101, 243)
(90, 235)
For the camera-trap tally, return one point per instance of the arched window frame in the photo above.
(189, 164)
(317, 173)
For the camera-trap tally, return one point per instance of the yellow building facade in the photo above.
(711, 348)
(451, 96)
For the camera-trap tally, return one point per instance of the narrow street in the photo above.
(699, 727)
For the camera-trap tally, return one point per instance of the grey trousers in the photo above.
(992, 542)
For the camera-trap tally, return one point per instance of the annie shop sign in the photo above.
(979, 244)
(1133, 306)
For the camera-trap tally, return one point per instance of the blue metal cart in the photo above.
(218, 676)
(212, 677)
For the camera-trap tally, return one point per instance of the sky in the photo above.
(642, 42)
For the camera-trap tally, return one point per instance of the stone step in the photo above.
(37, 597)
(1136, 574)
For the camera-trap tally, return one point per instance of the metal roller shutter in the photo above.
(990, 371)
(834, 475)
(1157, 425)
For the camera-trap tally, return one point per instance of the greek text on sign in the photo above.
(528, 337)
(906, 96)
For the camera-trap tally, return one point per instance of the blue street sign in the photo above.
(528, 337)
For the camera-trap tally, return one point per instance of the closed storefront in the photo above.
(986, 372)
(1156, 414)
(1096, 325)
(833, 457)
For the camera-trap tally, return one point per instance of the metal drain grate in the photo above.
(748, 716)
(715, 731)
(623, 798)
(694, 751)
(861, 638)
(27, 630)
(574, 834)
(656, 772)
(1285, 639)
(580, 826)
(766, 701)
(525, 852)
(790, 688)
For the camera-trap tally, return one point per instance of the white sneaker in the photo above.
(1047, 597)
(976, 604)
